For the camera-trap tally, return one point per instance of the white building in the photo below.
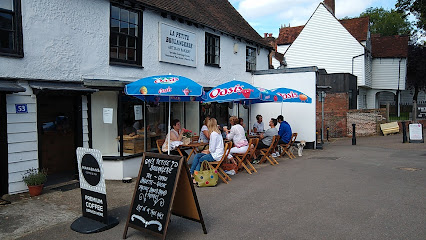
(62, 63)
(344, 46)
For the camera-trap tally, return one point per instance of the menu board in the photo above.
(155, 190)
(416, 133)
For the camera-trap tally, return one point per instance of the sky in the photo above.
(267, 16)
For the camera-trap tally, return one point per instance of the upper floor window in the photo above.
(125, 36)
(212, 49)
(250, 59)
(11, 28)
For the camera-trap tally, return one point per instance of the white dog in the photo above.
(300, 147)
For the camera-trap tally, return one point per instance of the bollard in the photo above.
(321, 135)
(353, 134)
(328, 128)
(404, 132)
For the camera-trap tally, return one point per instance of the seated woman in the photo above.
(176, 134)
(204, 132)
(238, 136)
(215, 151)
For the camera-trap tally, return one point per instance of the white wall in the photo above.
(300, 116)
(386, 72)
(85, 116)
(69, 40)
(325, 43)
(22, 138)
(104, 134)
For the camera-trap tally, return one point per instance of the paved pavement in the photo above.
(374, 190)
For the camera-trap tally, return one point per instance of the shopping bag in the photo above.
(207, 176)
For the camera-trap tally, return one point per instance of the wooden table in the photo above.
(194, 146)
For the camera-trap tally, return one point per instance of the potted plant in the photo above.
(35, 179)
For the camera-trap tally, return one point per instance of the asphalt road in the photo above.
(374, 190)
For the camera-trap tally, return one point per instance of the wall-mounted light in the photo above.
(235, 48)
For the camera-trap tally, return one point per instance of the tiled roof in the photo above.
(357, 27)
(216, 14)
(287, 35)
(389, 46)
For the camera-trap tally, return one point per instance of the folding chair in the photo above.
(286, 147)
(244, 158)
(217, 164)
(267, 154)
(160, 143)
(195, 138)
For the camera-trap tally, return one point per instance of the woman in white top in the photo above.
(204, 132)
(238, 136)
(176, 134)
(216, 148)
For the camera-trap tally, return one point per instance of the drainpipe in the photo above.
(398, 91)
(353, 58)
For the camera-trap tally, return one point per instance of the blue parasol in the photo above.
(165, 88)
(290, 95)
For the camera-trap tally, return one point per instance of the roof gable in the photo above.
(357, 27)
(389, 46)
(216, 14)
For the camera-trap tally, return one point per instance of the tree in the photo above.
(416, 69)
(387, 23)
(415, 7)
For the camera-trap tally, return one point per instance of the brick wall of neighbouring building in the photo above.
(367, 121)
(336, 106)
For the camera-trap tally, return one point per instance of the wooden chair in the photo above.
(286, 147)
(267, 153)
(244, 158)
(195, 138)
(217, 164)
(160, 143)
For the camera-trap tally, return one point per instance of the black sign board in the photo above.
(163, 187)
(93, 193)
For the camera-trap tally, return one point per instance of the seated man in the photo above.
(258, 125)
(285, 130)
(266, 138)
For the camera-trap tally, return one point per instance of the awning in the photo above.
(60, 86)
(10, 86)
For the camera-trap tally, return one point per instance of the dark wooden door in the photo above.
(59, 134)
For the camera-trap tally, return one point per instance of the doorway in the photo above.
(59, 134)
(4, 185)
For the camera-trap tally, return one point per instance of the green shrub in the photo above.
(34, 176)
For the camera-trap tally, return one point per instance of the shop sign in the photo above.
(163, 187)
(177, 45)
(92, 184)
(416, 133)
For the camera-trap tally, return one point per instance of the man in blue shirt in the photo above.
(284, 131)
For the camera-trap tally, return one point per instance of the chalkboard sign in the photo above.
(156, 187)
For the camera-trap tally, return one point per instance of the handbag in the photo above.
(207, 176)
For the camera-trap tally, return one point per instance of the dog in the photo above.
(300, 147)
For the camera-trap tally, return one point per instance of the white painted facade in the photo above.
(300, 116)
(389, 73)
(324, 42)
(69, 41)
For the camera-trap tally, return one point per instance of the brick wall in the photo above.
(367, 121)
(336, 106)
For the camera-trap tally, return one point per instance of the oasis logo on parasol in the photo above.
(165, 90)
(226, 91)
(166, 80)
(292, 94)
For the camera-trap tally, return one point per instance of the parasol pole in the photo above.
(168, 134)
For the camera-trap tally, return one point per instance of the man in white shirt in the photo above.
(258, 126)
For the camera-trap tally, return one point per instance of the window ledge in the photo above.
(119, 64)
(15, 55)
(212, 65)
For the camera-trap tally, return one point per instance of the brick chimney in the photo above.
(331, 5)
(265, 35)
